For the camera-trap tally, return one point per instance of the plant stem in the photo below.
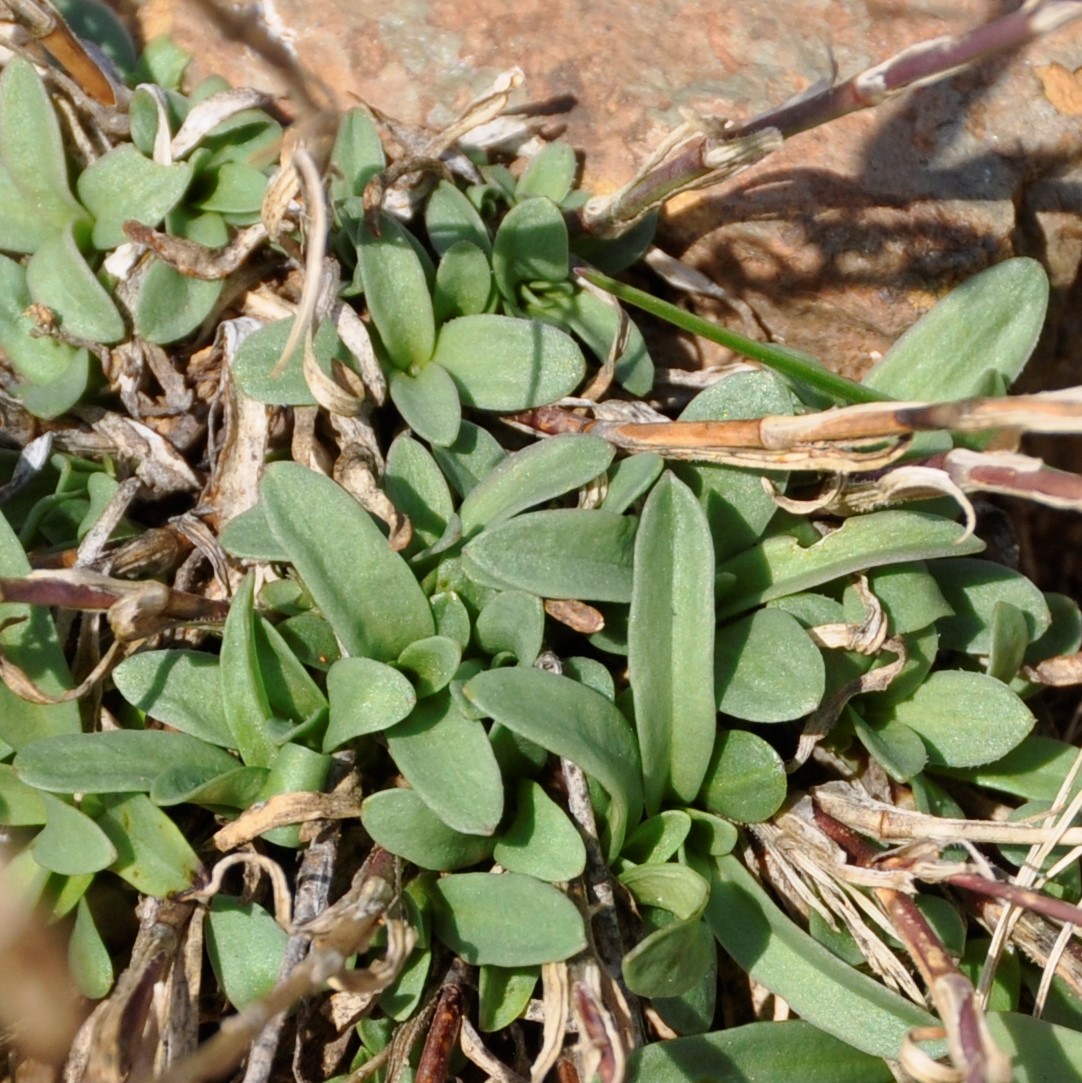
(792, 364)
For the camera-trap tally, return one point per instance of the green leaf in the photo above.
(989, 323)
(248, 536)
(631, 479)
(573, 721)
(396, 292)
(540, 840)
(473, 454)
(290, 689)
(908, 593)
(669, 961)
(400, 822)
(463, 282)
(671, 643)
(512, 621)
(431, 663)
(781, 565)
(506, 364)
(236, 789)
(972, 588)
(244, 699)
(598, 323)
(364, 588)
(171, 305)
(417, 488)
(124, 184)
(295, 769)
(746, 779)
(428, 403)
(152, 854)
(503, 993)
(88, 957)
(655, 840)
(899, 750)
(235, 189)
(357, 155)
(549, 173)
(506, 920)
(366, 697)
(764, 1052)
(35, 200)
(710, 834)
(20, 805)
(964, 719)
(530, 247)
(564, 553)
(450, 219)
(258, 355)
(447, 759)
(28, 639)
(245, 946)
(672, 887)
(452, 617)
(70, 843)
(178, 687)
(1034, 770)
(1009, 639)
(117, 761)
(1040, 1052)
(818, 986)
(59, 277)
(536, 474)
(767, 669)
(692, 1012)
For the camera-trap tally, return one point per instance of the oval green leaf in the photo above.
(767, 669)
(573, 721)
(564, 553)
(746, 779)
(448, 760)
(965, 719)
(506, 920)
(428, 403)
(70, 843)
(400, 822)
(540, 841)
(245, 946)
(504, 364)
(366, 697)
(365, 589)
(989, 323)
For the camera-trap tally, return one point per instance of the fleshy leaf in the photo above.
(473, 454)
(540, 840)
(766, 1052)
(504, 364)
(245, 946)
(430, 663)
(655, 840)
(530, 247)
(512, 621)
(178, 687)
(972, 588)
(506, 920)
(534, 475)
(357, 155)
(766, 668)
(564, 553)
(417, 488)
(989, 323)
(463, 282)
(573, 721)
(152, 854)
(258, 355)
(428, 403)
(746, 778)
(396, 292)
(550, 173)
(448, 760)
(503, 993)
(366, 696)
(35, 201)
(122, 185)
(965, 719)
(88, 957)
(118, 761)
(400, 822)
(450, 219)
(365, 589)
(59, 277)
(819, 986)
(671, 643)
(70, 843)
(780, 565)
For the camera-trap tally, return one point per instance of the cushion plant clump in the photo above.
(344, 540)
